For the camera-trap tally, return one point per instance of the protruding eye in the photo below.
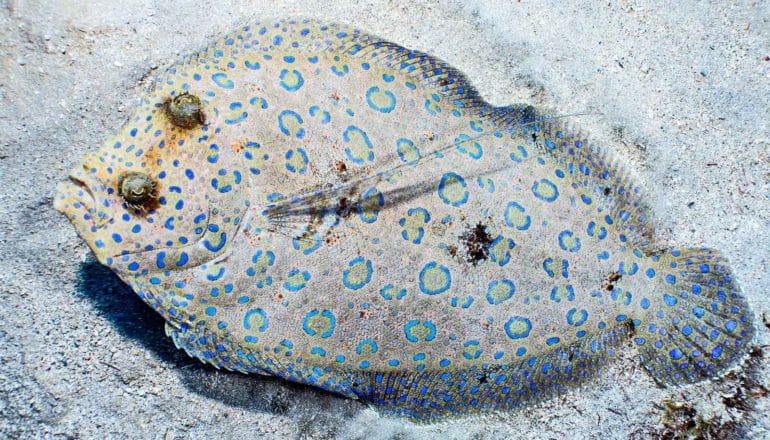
(185, 111)
(137, 189)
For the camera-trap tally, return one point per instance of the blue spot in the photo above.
(159, 260)
(211, 311)
(730, 325)
(676, 354)
(669, 300)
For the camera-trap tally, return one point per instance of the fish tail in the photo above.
(697, 324)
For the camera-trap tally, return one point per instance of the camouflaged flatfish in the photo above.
(308, 201)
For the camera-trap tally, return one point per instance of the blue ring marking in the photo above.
(426, 324)
(567, 234)
(511, 289)
(303, 159)
(368, 341)
(332, 323)
(216, 247)
(509, 221)
(362, 283)
(367, 143)
(518, 335)
(442, 186)
(475, 152)
(298, 119)
(183, 258)
(296, 80)
(501, 245)
(370, 217)
(296, 287)
(444, 271)
(541, 189)
(325, 116)
(581, 318)
(218, 275)
(570, 293)
(221, 80)
(407, 151)
(468, 344)
(259, 312)
(382, 109)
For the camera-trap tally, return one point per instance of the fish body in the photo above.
(308, 201)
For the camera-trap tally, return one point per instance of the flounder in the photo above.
(309, 201)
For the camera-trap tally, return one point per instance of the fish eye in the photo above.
(136, 189)
(185, 111)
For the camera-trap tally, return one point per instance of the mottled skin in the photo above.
(350, 214)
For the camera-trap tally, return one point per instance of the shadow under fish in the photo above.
(134, 320)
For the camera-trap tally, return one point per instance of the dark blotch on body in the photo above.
(476, 241)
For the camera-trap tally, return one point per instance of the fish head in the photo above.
(166, 191)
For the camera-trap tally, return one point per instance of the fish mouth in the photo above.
(77, 199)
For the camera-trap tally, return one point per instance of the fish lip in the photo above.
(80, 183)
(81, 190)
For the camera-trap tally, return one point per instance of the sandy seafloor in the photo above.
(680, 90)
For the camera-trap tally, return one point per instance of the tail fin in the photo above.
(699, 325)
